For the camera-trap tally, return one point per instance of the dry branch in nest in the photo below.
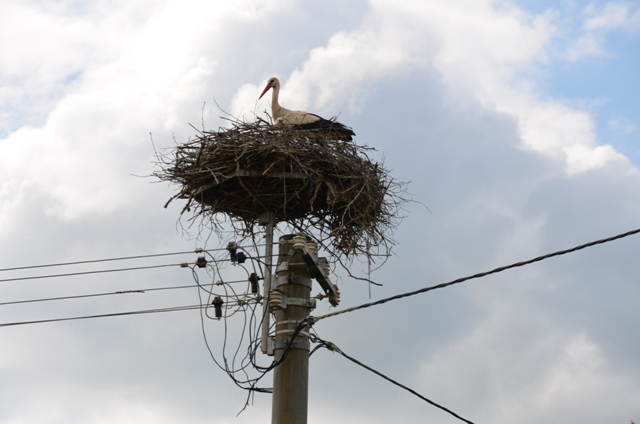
(327, 188)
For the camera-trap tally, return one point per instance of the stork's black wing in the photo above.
(335, 128)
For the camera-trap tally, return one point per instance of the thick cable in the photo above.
(479, 275)
(332, 347)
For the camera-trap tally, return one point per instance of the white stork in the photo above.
(301, 119)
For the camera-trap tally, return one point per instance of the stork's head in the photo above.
(272, 83)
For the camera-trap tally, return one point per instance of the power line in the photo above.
(90, 261)
(479, 275)
(312, 319)
(82, 296)
(146, 311)
(35, 277)
(332, 347)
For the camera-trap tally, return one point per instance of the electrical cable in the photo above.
(247, 383)
(82, 296)
(233, 303)
(102, 271)
(233, 366)
(333, 348)
(366, 305)
(90, 261)
(247, 307)
(105, 293)
(115, 314)
(255, 337)
(479, 275)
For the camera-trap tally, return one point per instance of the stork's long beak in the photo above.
(264, 91)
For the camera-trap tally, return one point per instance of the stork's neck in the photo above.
(276, 110)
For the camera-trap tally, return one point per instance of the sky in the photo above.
(514, 123)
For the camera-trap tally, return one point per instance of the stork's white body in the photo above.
(285, 117)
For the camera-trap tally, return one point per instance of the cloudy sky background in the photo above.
(515, 122)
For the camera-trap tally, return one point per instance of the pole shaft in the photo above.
(291, 377)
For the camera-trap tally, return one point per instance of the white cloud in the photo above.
(441, 89)
(621, 125)
(588, 45)
(484, 53)
(146, 79)
(614, 15)
(597, 23)
(44, 49)
(537, 371)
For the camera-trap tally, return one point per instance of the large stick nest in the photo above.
(319, 185)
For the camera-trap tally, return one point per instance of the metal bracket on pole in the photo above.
(278, 299)
(319, 267)
(288, 329)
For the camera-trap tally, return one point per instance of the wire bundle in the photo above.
(239, 360)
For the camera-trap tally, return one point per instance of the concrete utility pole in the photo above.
(290, 300)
